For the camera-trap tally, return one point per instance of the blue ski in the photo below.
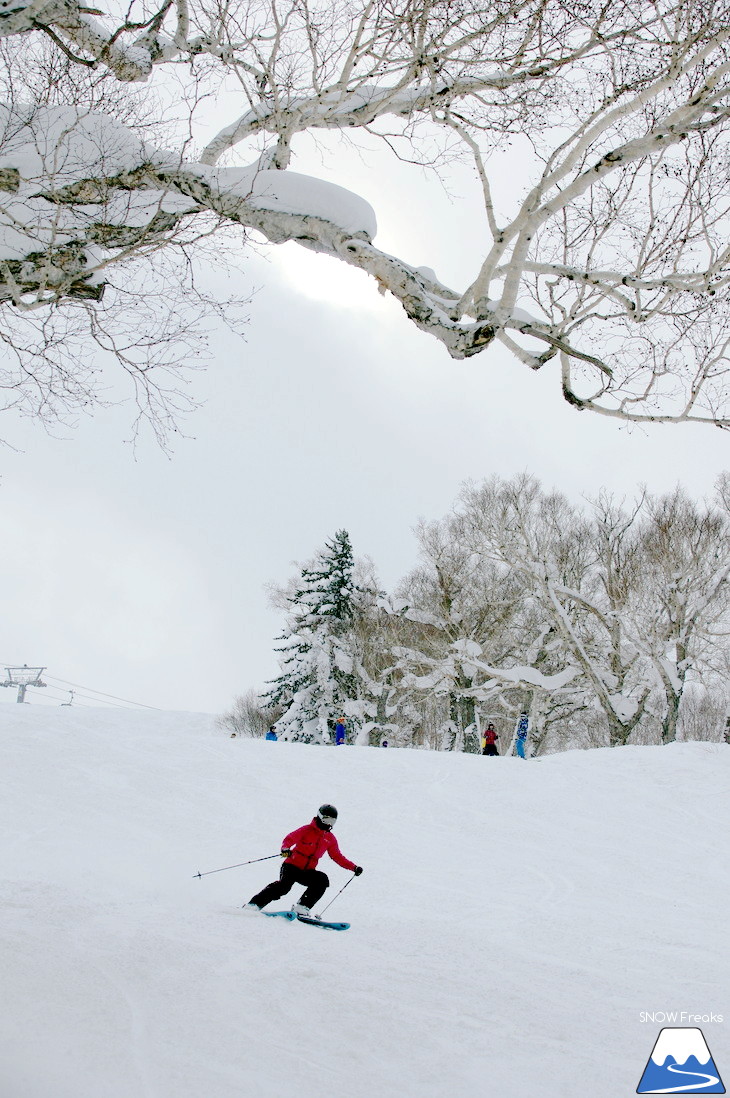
(290, 916)
(321, 922)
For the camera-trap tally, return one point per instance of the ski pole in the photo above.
(238, 866)
(352, 878)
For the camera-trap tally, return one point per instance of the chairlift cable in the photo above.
(101, 693)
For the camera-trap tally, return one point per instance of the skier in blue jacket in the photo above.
(522, 735)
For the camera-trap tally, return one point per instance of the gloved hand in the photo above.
(357, 870)
(285, 853)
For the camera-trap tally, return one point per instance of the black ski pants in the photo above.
(316, 882)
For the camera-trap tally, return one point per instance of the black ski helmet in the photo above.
(326, 816)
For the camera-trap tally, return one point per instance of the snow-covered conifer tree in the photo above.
(318, 681)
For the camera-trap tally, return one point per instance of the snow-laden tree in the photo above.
(319, 662)
(383, 709)
(614, 608)
(606, 256)
(455, 608)
(703, 714)
(682, 620)
(477, 637)
(578, 574)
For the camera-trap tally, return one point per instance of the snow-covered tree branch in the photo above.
(606, 261)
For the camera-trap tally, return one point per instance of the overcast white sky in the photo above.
(142, 576)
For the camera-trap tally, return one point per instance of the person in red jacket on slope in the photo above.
(302, 849)
(490, 741)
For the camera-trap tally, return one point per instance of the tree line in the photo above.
(607, 623)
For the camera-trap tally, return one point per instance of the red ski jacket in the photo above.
(309, 843)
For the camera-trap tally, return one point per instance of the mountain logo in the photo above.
(680, 1063)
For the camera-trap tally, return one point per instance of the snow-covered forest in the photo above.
(594, 138)
(607, 624)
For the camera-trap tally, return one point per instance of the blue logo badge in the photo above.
(680, 1063)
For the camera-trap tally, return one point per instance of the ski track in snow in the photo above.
(139, 1053)
(512, 921)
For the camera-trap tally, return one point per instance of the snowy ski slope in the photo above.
(513, 921)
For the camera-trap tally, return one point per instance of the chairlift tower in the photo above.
(23, 677)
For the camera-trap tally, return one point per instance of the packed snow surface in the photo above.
(513, 921)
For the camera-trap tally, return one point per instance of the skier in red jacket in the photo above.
(489, 742)
(302, 849)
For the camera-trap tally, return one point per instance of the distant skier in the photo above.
(340, 731)
(271, 734)
(522, 726)
(302, 849)
(490, 741)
